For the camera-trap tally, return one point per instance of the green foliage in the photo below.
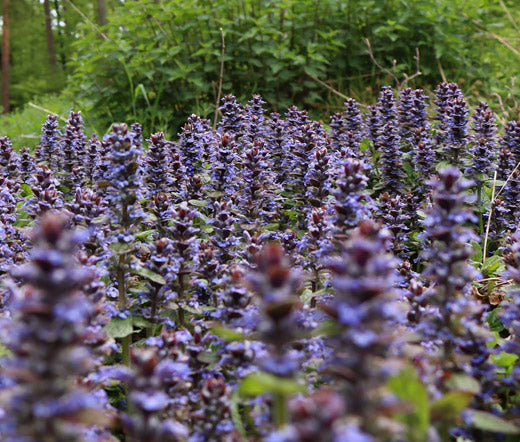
(259, 382)
(119, 328)
(159, 61)
(407, 387)
(490, 422)
(24, 125)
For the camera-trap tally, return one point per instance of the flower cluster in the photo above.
(47, 337)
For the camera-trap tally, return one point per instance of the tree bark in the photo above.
(50, 36)
(5, 57)
(63, 57)
(102, 12)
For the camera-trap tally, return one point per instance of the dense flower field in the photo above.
(267, 279)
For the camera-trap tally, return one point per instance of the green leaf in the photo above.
(492, 265)
(307, 296)
(140, 322)
(147, 273)
(119, 328)
(461, 382)
(121, 248)
(365, 145)
(143, 235)
(407, 387)
(27, 191)
(489, 422)
(495, 324)
(450, 405)
(4, 351)
(197, 203)
(505, 360)
(227, 334)
(477, 251)
(259, 382)
(208, 357)
(327, 328)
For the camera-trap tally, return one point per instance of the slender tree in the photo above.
(50, 36)
(102, 12)
(5, 57)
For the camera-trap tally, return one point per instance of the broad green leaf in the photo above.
(477, 251)
(197, 203)
(504, 359)
(407, 387)
(450, 405)
(365, 145)
(119, 328)
(327, 328)
(147, 273)
(227, 334)
(495, 324)
(489, 422)
(27, 191)
(461, 382)
(140, 322)
(260, 382)
(4, 351)
(492, 265)
(144, 234)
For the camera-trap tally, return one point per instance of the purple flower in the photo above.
(50, 315)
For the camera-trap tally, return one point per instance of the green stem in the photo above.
(125, 342)
(479, 205)
(180, 294)
(279, 409)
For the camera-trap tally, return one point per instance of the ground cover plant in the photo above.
(268, 278)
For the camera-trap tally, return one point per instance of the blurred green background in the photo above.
(157, 61)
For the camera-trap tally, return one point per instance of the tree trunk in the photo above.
(63, 58)
(50, 35)
(102, 12)
(5, 57)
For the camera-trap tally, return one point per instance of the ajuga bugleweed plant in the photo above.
(233, 115)
(48, 151)
(276, 285)
(424, 160)
(192, 143)
(444, 95)
(45, 399)
(454, 329)
(185, 248)
(72, 148)
(148, 384)
(448, 249)
(224, 165)
(157, 165)
(347, 130)
(45, 195)
(123, 183)
(365, 313)
(510, 317)
(9, 160)
(349, 198)
(386, 106)
(412, 114)
(232, 284)
(388, 142)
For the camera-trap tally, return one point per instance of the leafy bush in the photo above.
(159, 61)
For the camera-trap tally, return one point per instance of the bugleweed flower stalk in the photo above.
(364, 309)
(50, 315)
(124, 182)
(275, 284)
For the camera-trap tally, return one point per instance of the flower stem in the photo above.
(279, 409)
